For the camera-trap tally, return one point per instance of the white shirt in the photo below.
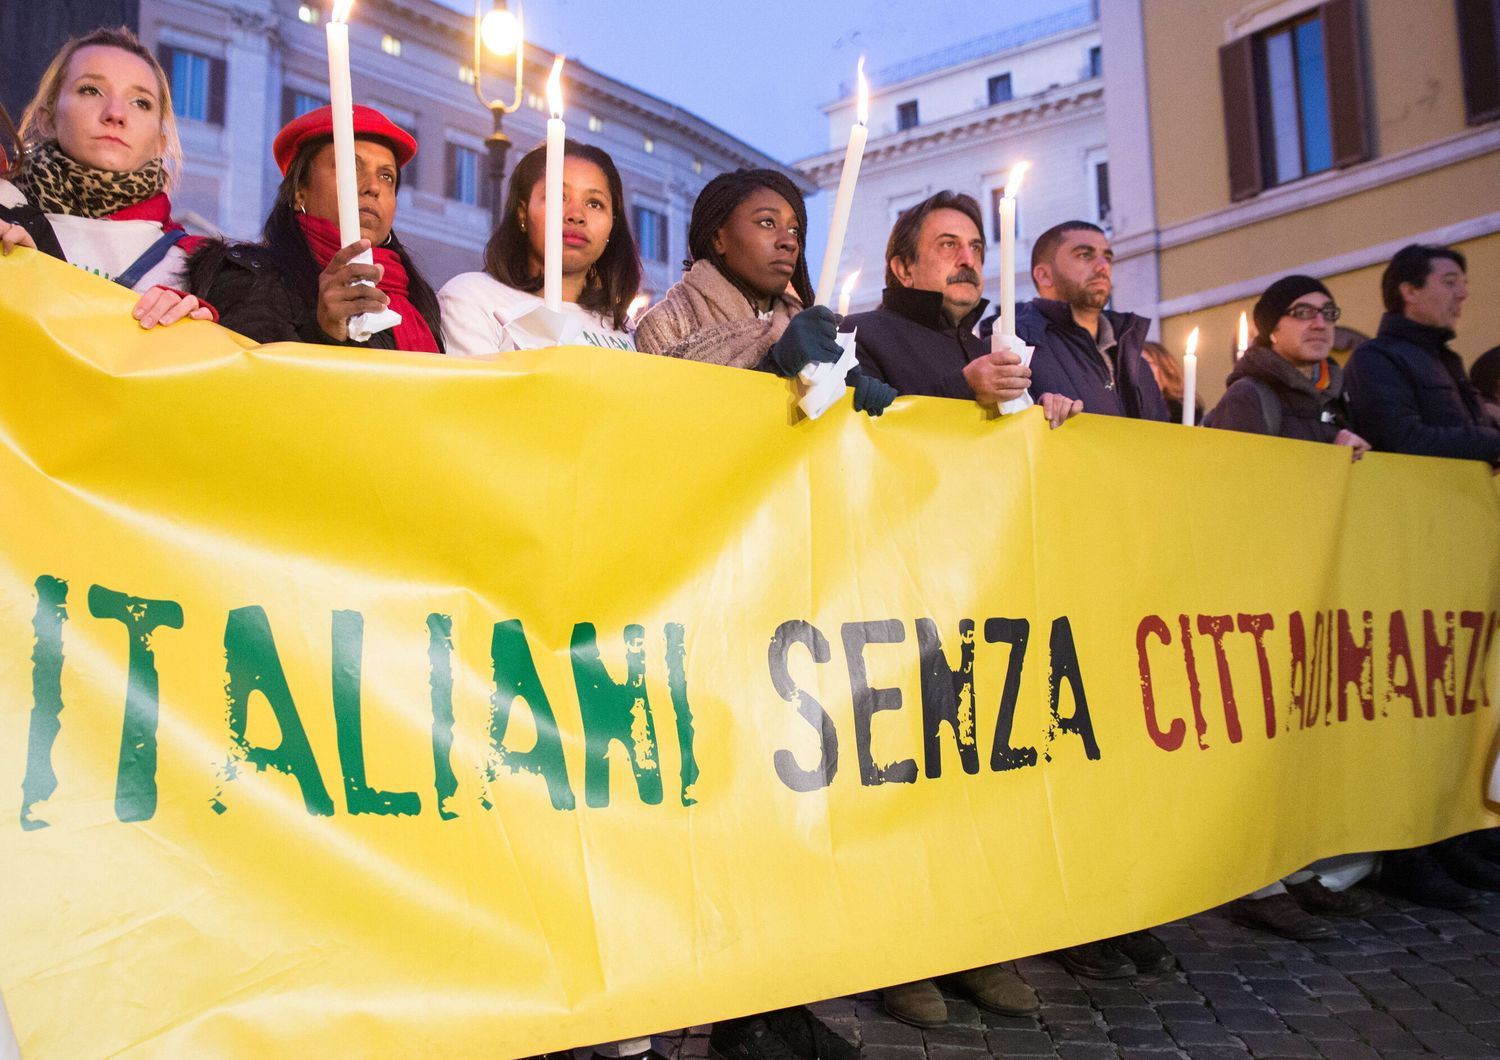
(107, 248)
(481, 316)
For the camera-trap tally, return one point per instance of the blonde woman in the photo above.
(99, 150)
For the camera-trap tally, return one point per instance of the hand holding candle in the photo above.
(1190, 380)
(552, 232)
(843, 202)
(341, 107)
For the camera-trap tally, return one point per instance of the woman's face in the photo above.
(375, 173)
(760, 241)
(108, 113)
(588, 216)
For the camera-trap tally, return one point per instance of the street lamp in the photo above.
(501, 33)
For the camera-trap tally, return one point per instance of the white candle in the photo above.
(341, 100)
(846, 292)
(1008, 252)
(1190, 380)
(552, 230)
(1239, 351)
(843, 202)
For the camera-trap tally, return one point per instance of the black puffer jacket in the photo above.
(1067, 361)
(909, 343)
(1262, 382)
(243, 282)
(1409, 394)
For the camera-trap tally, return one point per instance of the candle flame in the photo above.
(554, 88)
(1244, 333)
(847, 290)
(341, 9)
(1013, 181)
(862, 108)
(1192, 343)
(637, 306)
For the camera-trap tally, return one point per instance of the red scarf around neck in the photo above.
(157, 208)
(412, 333)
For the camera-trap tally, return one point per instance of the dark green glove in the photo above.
(871, 395)
(811, 335)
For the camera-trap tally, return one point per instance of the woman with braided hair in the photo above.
(743, 300)
(483, 312)
(100, 147)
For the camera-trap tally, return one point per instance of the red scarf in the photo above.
(412, 333)
(158, 208)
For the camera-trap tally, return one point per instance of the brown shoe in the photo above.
(921, 1003)
(995, 989)
(1317, 899)
(1279, 915)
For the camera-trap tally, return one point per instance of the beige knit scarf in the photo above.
(706, 318)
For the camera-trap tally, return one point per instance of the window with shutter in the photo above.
(1479, 50)
(198, 84)
(1294, 99)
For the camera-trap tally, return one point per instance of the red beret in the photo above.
(368, 122)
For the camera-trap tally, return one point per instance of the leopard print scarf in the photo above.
(55, 183)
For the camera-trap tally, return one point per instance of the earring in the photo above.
(301, 208)
(523, 224)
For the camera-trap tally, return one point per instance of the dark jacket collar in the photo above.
(1401, 326)
(926, 308)
(1261, 362)
(1060, 314)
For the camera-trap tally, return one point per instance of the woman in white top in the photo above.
(99, 145)
(487, 312)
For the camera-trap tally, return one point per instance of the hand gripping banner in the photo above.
(361, 703)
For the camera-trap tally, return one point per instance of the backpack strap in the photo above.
(151, 258)
(1270, 405)
(35, 222)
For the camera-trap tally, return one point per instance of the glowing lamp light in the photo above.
(637, 306)
(341, 9)
(862, 106)
(1013, 180)
(1244, 336)
(501, 32)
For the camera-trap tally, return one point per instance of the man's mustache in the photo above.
(965, 275)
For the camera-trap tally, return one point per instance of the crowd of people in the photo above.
(89, 184)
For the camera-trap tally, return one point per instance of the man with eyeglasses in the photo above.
(1409, 394)
(1286, 385)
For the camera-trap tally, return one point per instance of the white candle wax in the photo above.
(552, 233)
(843, 203)
(1007, 265)
(341, 100)
(1189, 389)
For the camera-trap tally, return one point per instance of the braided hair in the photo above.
(717, 201)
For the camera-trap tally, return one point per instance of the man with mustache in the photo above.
(1083, 350)
(921, 338)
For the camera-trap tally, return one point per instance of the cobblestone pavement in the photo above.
(1403, 982)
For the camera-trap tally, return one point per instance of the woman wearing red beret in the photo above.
(299, 285)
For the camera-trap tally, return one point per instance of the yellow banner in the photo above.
(359, 703)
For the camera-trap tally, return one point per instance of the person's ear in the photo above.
(1408, 292)
(719, 242)
(901, 270)
(1041, 276)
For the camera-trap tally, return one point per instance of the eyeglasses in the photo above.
(1329, 312)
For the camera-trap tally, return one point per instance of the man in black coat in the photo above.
(1083, 350)
(1408, 394)
(921, 338)
(1407, 388)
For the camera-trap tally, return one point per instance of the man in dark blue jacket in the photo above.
(1083, 350)
(1407, 388)
(1408, 394)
